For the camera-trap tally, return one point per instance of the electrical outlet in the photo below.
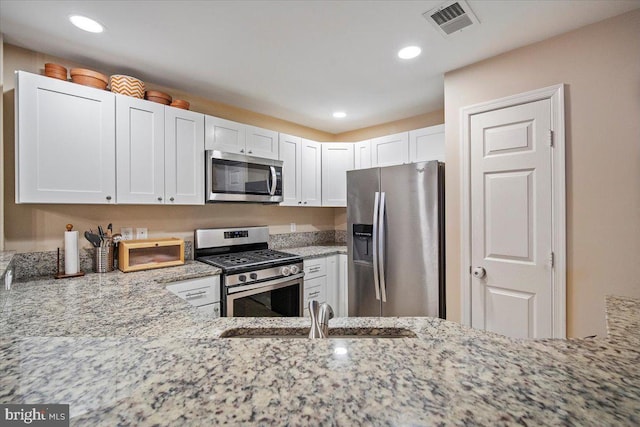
(141, 233)
(293, 227)
(127, 233)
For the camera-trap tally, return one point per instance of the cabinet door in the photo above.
(184, 157)
(390, 150)
(337, 159)
(314, 289)
(65, 142)
(261, 142)
(224, 135)
(311, 173)
(362, 155)
(140, 150)
(290, 154)
(426, 144)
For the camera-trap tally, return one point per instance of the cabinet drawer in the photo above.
(198, 292)
(315, 268)
(315, 289)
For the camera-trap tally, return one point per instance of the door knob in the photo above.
(479, 273)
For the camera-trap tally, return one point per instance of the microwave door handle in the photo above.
(274, 181)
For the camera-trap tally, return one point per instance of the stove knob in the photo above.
(286, 271)
(253, 276)
(294, 269)
(242, 278)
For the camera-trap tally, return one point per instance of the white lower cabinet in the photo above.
(325, 281)
(202, 293)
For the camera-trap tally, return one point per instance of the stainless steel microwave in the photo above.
(238, 178)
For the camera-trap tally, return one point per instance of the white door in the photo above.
(290, 155)
(337, 159)
(65, 142)
(139, 150)
(511, 220)
(184, 157)
(262, 142)
(224, 135)
(390, 150)
(311, 173)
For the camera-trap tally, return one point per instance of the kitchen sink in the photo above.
(343, 333)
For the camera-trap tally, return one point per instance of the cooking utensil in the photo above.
(110, 230)
(101, 233)
(94, 239)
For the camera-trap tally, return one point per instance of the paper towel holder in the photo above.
(62, 275)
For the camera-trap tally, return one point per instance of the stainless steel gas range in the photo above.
(256, 281)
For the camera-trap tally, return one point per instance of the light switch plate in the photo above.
(141, 233)
(127, 233)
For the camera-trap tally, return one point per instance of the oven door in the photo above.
(274, 298)
(236, 178)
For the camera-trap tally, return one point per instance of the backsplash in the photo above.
(29, 265)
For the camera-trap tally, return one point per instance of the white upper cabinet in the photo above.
(224, 135)
(237, 138)
(65, 142)
(261, 142)
(184, 157)
(337, 159)
(311, 173)
(426, 144)
(290, 152)
(139, 150)
(362, 154)
(390, 150)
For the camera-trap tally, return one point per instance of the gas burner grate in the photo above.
(248, 259)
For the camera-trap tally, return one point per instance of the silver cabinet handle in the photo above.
(305, 203)
(382, 244)
(172, 199)
(299, 202)
(109, 198)
(374, 235)
(159, 199)
(242, 150)
(196, 294)
(250, 152)
(479, 273)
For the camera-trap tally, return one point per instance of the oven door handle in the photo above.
(236, 289)
(274, 181)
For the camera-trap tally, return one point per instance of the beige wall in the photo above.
(416, 122)
(600, 65)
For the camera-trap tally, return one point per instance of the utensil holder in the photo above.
(103, 258)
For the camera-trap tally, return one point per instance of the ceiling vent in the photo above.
(451, 17)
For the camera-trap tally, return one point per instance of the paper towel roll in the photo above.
(71, 255)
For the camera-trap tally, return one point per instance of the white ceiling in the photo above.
(296, 60)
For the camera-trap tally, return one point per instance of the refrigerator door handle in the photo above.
(381, 246)
(374, 237)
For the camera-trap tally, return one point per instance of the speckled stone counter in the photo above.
(308, 252)
(123, 351)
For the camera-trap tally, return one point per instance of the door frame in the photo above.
(558, 204)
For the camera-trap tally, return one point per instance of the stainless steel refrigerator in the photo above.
(395, 240)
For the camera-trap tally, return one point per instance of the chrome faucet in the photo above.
(320, 316)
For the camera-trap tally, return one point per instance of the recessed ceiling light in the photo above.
(86, 24)
(409, 52)
(339, 114)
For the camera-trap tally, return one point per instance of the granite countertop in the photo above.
(308, 252)
(121, 350)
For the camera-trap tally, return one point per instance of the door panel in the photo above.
(511, 220)
(311, 173)
(361, 188)
(412, 239)
(289, 152)
(184, 157)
